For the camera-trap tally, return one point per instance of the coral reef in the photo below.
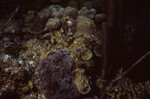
(45, 47)
(17, 73)
(15, 78)
(126, 89)
(56, 53)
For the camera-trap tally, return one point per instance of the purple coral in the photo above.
(57, 77)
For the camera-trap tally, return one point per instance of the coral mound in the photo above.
(57, 77)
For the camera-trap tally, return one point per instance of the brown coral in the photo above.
(81, 81)
(86, 54)
(86, 27)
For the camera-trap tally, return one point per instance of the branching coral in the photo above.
(57, 77)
